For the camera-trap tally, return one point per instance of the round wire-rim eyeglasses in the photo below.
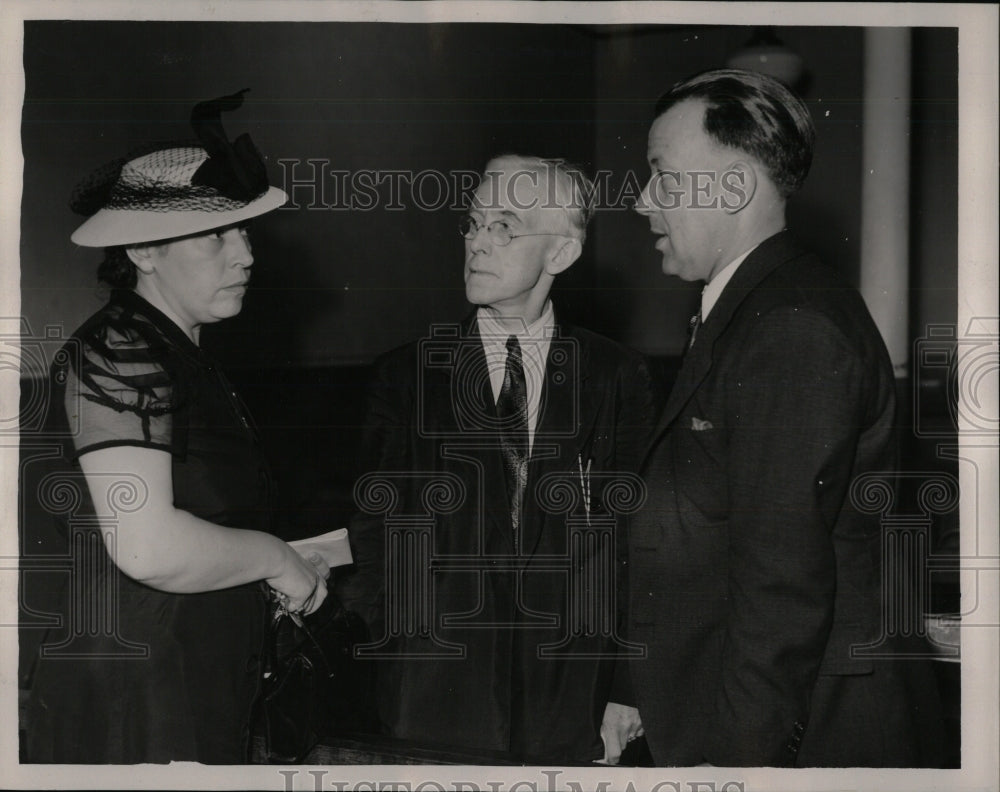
(498, 231)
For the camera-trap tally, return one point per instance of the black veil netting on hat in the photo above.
(234, 173)
(94, 191)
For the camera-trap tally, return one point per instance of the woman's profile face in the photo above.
(198, 279)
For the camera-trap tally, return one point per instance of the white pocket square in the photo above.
(699, 425)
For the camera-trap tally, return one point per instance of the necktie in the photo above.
(693, 327)
(512, 410)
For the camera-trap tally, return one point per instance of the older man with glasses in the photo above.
(494, 607)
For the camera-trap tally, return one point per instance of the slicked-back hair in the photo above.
(754, 114)
(574, 190)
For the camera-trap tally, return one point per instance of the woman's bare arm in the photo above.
(172, 550)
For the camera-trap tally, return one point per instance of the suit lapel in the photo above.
(566, 411)
(473, 409)
(456, 387)
(697, 364)
(771, 253)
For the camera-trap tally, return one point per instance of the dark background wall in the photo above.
(336, 287)
(934, 179)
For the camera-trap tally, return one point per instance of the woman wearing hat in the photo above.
(168, 613)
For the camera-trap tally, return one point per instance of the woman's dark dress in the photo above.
(141, 675)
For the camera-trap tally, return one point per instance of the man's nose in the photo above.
(480, 242)
(643, 204)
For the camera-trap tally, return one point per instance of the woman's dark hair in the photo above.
(755, 114)
(117, 269)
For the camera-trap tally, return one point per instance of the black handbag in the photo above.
(313, 687)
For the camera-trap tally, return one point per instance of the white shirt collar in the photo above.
(713, 289)
(491, 328)
(534, 339)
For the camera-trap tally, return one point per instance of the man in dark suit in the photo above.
(755, 579)
(504, 452)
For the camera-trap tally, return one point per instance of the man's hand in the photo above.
(621, 725)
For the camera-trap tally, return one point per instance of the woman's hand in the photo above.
(302, 581)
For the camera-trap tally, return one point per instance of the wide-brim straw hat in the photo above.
(154, 199)
(180, 190)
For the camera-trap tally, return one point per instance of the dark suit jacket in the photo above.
(752, 573)
(508, 656)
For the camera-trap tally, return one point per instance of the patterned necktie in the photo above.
(693, 327)
(512, 410)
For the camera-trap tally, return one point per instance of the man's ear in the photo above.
(564, 256)
(739, 184)
(142, 257)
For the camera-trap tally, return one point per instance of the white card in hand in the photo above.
(332, 546)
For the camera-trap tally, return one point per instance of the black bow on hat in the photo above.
(234, 169)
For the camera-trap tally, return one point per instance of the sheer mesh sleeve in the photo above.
(122, 391)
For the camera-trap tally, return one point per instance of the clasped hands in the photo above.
(301, 587)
